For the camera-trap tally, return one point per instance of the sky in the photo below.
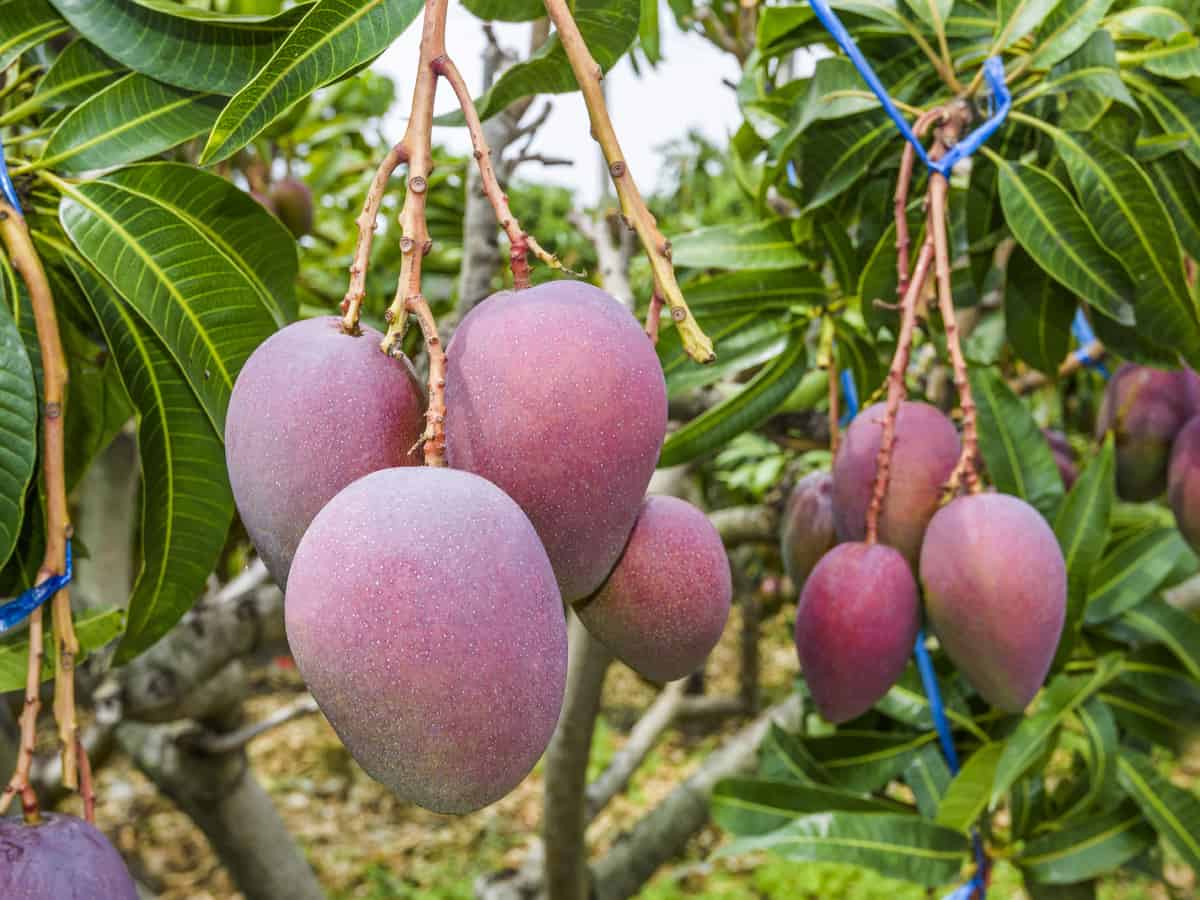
(684, 92)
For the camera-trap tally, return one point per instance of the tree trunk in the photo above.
(564, 821)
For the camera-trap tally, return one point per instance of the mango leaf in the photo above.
(742, 342)
(1026, 799)
(928, 776)
(1121, 204)
(1037, 314)
(1152, 20)
(506, 10)
(866, 760)
(1064, 32)
(1092, 68)
(1051, 228)
(859, 354)
(785, 758)
(94, 629)
(760, 245)
(746, 291)
(77, 73)
(198, 259)
(1131, 571)
(1176, 111)
(835, 91)
(907, 702)
(1016, 18)
(1017, 456)
(1179, 188)
(1155, 672)
(186, 47)
(1174, 812)
(747, 806)
(1171, 627)
(187, 504)
(933, 13)
(133, 118)
(608, 28)
(1100, 756)
(18, 426)
(1081, 527)
(335, 37)
(968, 794)
(1177, 59)
(1061, 697)
(1157, 723)
(896, 846)
(25, 24)
(747, 409)
(841, 155)
(1084, 851)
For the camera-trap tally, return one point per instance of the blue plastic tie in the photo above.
(850, 394)
(6, 186)
(19, 609)
(993, 73)
(1084, 336)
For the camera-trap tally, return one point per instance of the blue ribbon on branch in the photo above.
(993, 73)
(18, 610)
(1082, 329)
(6, 186)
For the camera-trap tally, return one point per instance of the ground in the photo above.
(365, 844)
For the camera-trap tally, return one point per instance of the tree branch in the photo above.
(658, 249)
(25, 260)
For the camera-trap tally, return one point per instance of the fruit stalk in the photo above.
(25, 260)
(415, 241)
(658, 249)
(366, 221)
(907, 160)
(521, 243)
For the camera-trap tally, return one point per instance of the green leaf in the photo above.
(747, 409)
(176, 243)
(928, 776)
(785, 758)
(933, 13)
(1174, 812)
(95, 628)
(1100, 729)
(1155, 672)
(834, 92)
(859, 354)
(187, 504)
(1121, 204)
(133, 118)
(968, 794)
(506, 10)
(25, 24)
(1035, 735)
(841, 154)
(896, 846)
(1179, 188)
(1093, 67)
(1037, 314)
(1177, 59)
(747, 806)
(1095, 847)
(1064, 32)
(608, 28)
(740, 292)
(77, 73)
(186, 47)
(1081, 527)
(1148, 21)
(648, 32)
(1131, 571)
(18, 426)
(1047, 223)
(1016, 454)
(866, 760)
(1171, 627)
(1025, 800)
(1175, 110)
(335, 37)
(1016, 18)
(741, 343)
(759, 245)
(1157, 723)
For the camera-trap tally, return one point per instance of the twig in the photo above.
(895, 387)
(654, 316)
(366, 222)
(237, 740)
(58, 524)
(825, 360)
(87, 789)
(520, 242)
(1033, 380)
(903, 183)
(658, 249)
(20, 782)
(414, 229)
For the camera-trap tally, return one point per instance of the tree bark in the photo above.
(564, 820)
(222, 796)
(663, 833)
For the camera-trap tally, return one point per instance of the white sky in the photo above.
(685, 91)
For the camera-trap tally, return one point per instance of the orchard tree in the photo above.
(970, 588)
